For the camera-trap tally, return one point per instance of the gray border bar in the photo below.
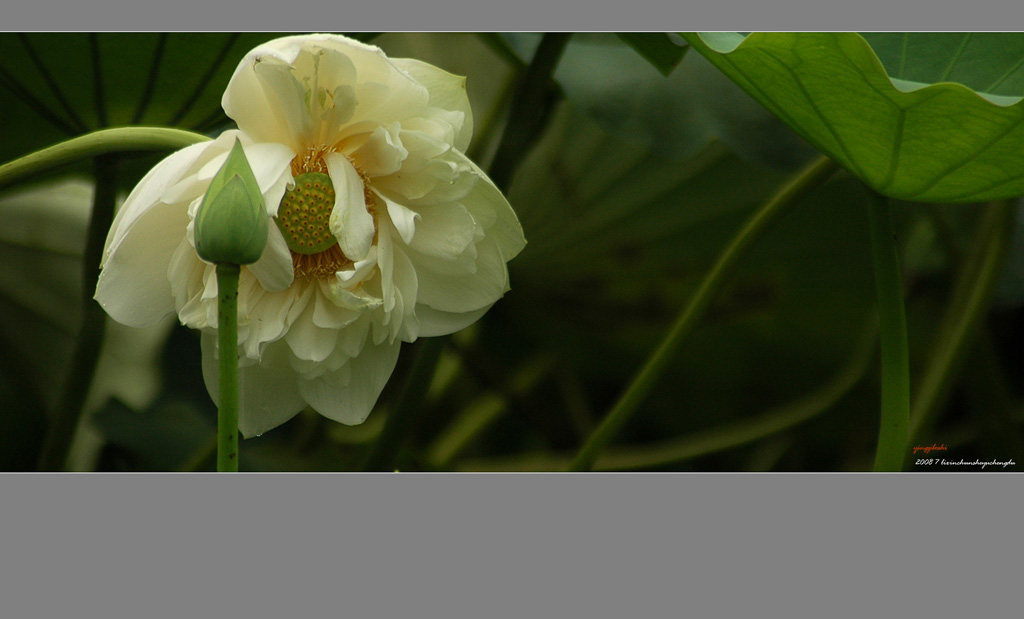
(521, 15)
(495, 546)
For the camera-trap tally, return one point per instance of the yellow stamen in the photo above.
(322, 265)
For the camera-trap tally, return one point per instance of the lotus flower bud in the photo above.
(231, 223)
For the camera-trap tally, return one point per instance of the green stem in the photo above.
(485, 130)
(227, 334)
(498, 45)
(764, 425)
(975, 284)
(471, 422)
(804, 181)
(103, 142)
(530, 107)
(385, 451)
(895, 417)
(704, 442)
(65, 420)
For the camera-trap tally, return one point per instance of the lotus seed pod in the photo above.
(305, 212)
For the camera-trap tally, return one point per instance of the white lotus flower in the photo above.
(385, 230)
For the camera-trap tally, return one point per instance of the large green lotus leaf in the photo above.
(57, 85)
(929, 117)
(989, 63)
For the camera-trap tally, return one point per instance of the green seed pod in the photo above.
(231, 223)
(305, 212)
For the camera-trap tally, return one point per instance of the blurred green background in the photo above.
(628, 194)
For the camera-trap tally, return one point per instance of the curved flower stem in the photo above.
(764, 425)
(895, 419)
(227, 342)
(742, 432)
(805, 180)
(530, 107)
(385, 450)
(82, 368)
(975, 284)
(103, 146)
(102, 142)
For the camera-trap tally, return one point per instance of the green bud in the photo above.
(231, 223)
